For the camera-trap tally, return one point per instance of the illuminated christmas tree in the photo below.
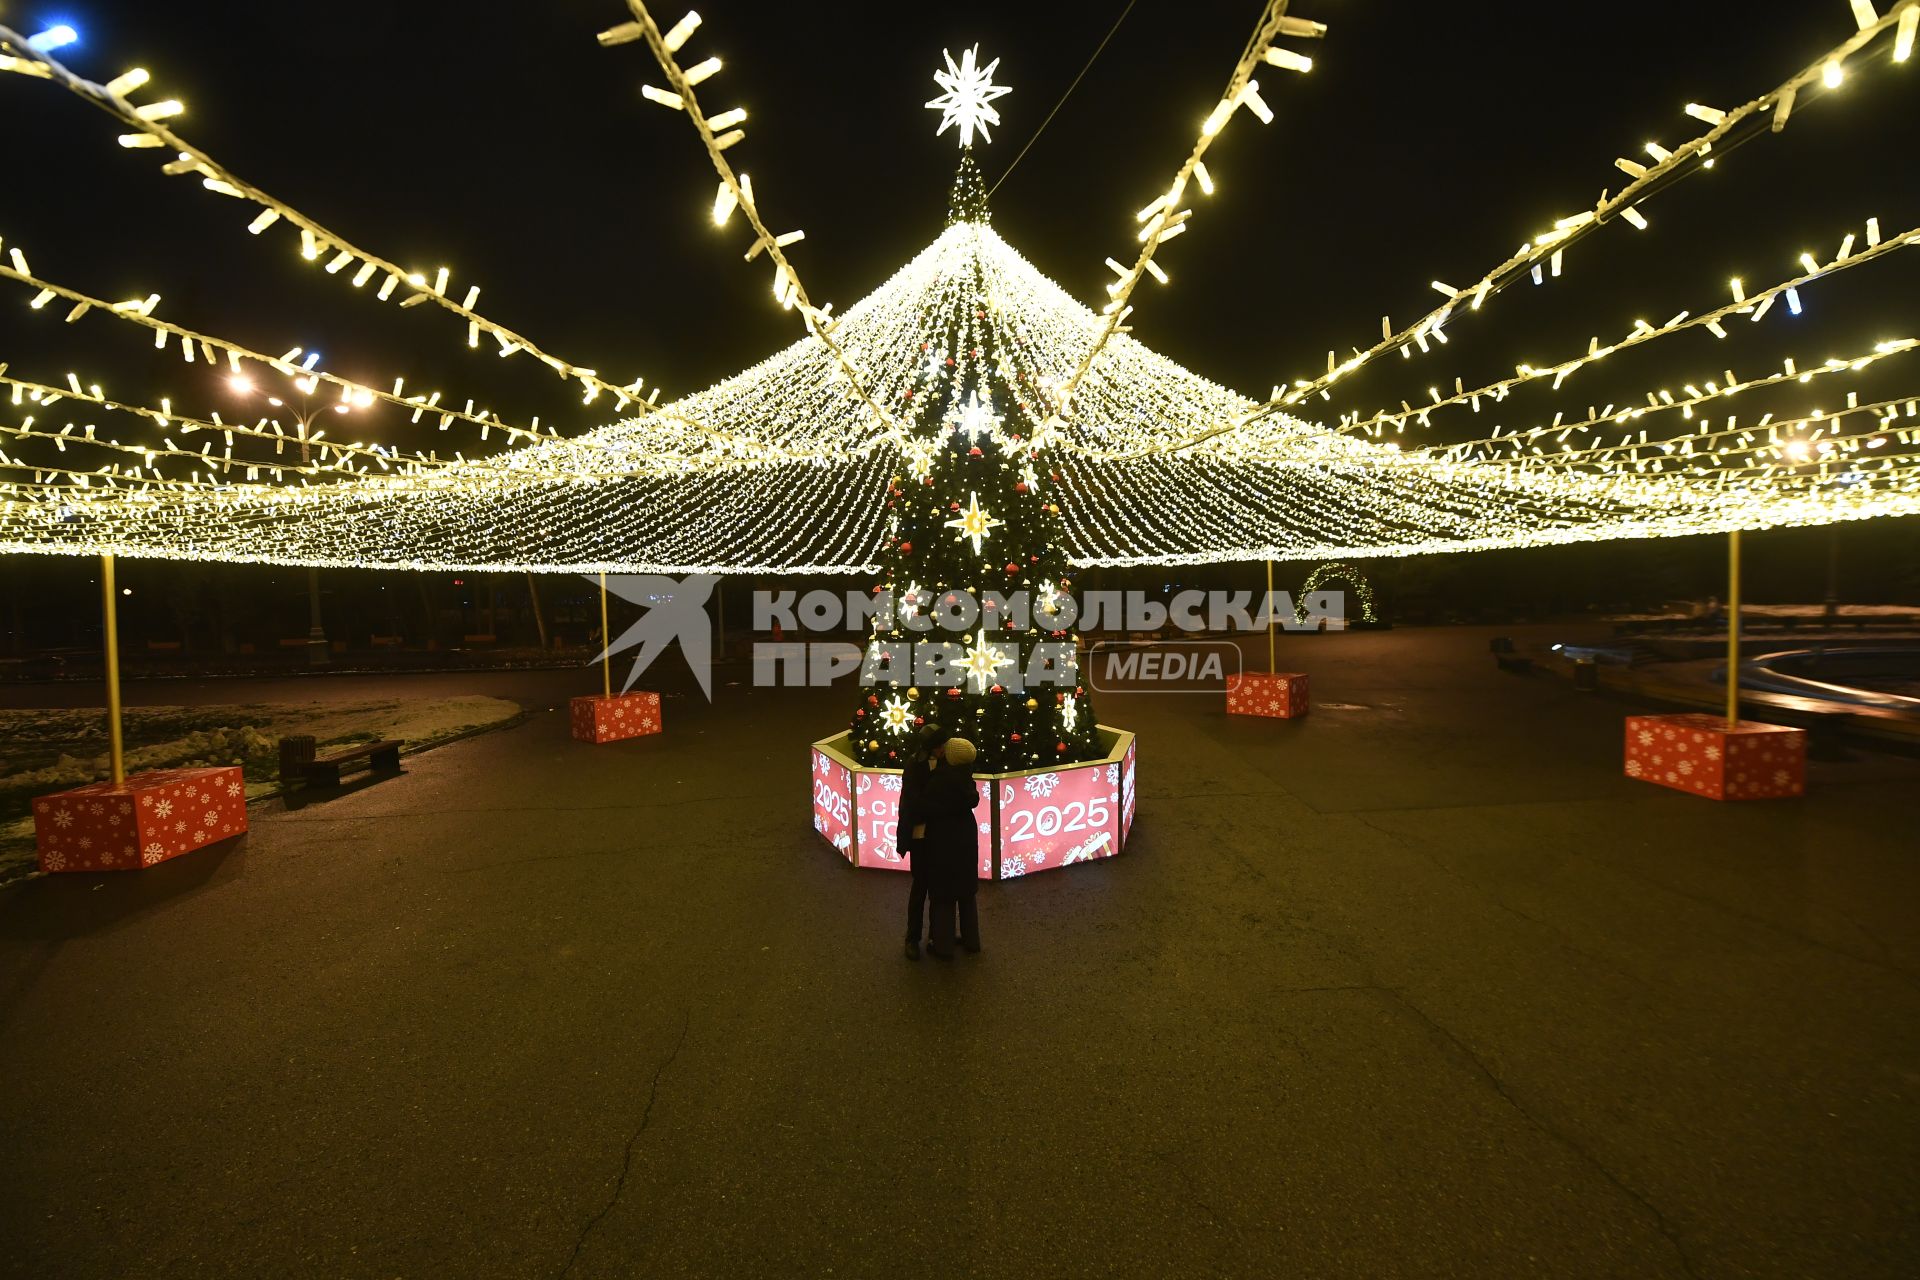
(974, 535)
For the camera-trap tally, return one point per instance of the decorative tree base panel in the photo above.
(624, 715)
(1030, 821)
(1701, 755)
(1258, 693)
(152, 817)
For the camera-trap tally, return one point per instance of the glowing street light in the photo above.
(54, 37)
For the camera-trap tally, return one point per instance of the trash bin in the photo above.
(296, 753)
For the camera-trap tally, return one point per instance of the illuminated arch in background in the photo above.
(1333, 570)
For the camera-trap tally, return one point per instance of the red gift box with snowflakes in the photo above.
(624, 715)
(148, 819)
(1700, 754)
(1259, 693)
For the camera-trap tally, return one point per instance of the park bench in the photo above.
(299, 763)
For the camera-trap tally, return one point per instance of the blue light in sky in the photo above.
(57, 36)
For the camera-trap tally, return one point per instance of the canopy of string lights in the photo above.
(785, 466)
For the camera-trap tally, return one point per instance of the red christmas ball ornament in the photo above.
(1012, 568)
(976, 350)
(1061, 747)
(949, 362)
(1020, 486)
(998, 689)
(975, 451)
(987, 605)
(859, 713)
(953, 693)
(893, 755)
(906, 548)
(919, 720)
(1013, 737)
(873, 699)
(953, 506)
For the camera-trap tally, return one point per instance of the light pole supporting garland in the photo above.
(606, 642)
(110, 615)
(1733, 629)
(1271, 668)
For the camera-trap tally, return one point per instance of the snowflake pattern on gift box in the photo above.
(626, 715)
(1280, 695)
(890, 781)
(140, 823)
(1042, 784)
(1700, 755)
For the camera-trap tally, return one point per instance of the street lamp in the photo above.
(305, 416)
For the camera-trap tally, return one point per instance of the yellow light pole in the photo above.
(110, 613)
(1733, 629)
(606, 642)
(1271, 668)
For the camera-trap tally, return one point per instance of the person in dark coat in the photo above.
(913, 779)
(948, 852)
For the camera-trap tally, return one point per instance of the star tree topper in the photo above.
(970, 91)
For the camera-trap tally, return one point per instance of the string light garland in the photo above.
(661, 446)
(1163, 218)
(1663, 401)
(717, 134)
(317, 243)
(1547, 248)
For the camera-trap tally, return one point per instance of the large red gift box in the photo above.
(1259, 693)
(150, 818)
(624, 715)
(1700, 754)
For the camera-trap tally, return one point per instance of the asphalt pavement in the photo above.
(1418, 986)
